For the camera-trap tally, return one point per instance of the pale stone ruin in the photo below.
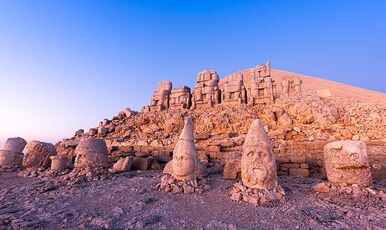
(38, 155)
(182, 177)
(60, 163)
(346, 162)
(234, 90)
(291, 87)
(206, 92)
(91, 153)
(160, 98)
(263, 88)
(12, 153)
(180, 98)
(259, 183)
(122, 165)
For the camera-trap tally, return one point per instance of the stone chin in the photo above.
(183, 168)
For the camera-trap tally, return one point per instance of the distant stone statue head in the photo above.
(258, 166)
(185, 157)
(164, 86)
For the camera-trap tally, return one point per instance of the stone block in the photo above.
(290, 165)
(141, 163)
(299, 172)
(232, 169)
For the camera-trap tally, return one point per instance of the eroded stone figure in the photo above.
(262, 87)
(234, 90)
(91, 153)
(258, 169)
(38, 155)
(181, 173)
(291, 87)
(160, 98)
(11, 155)
(206, 92)
(180, 98)
(185, 157)
(346, 162)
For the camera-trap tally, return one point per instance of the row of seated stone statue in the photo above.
(207, 91)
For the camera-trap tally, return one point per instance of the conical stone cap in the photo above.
(257, 135)
(187, 132)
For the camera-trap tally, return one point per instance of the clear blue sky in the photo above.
(66, 65)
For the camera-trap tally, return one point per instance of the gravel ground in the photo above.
(130, 201)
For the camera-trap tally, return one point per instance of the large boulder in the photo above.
(91, 153)
(38, 155)
(11, 154)
(346, 162)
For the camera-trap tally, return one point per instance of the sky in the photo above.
(67, 64)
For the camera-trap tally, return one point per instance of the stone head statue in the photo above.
(346, 162)
(185, 157)
(258, 166)
(164, 86)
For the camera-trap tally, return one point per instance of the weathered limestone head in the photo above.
(258, 166)
(346, 162)
(38, 154)
(15, 144)
(185, 157)
(11, 155)
(164, 86)
(207, 75)
(91, 152)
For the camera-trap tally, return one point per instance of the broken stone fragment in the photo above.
(60, 163)
(91, 152)
(123, 164)
(346, 162)
(38, 155)
(12, 153)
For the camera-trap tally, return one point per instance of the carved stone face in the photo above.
(258, 167)
(183, 165)
(185, 157)
(346, 162)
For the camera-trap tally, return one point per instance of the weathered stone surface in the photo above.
(160, 98)
(321, 187)
(15, 144)
(185, 157)
(346, 162)
(323, 93)
(232, 169)
(91, 153)
(11, 154)
(141, 163)
(123, 164)
(60, 163)
(38, 155)
(202, 171)
(234, 91)
(258, 167)
(206, 92)
(180, 98)
(262, 87)
(291, 87)
(299, 172)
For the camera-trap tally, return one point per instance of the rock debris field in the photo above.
(130, 201)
